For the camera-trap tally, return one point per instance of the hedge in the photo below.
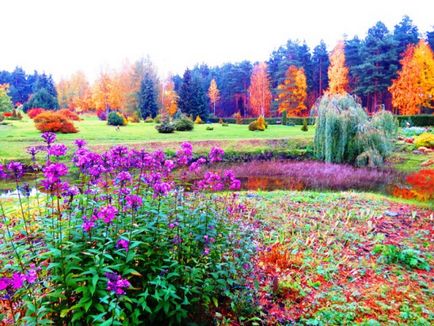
(421, 120)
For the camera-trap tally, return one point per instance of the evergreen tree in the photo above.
(405, 33)
(378, 67)
(147, 97)
(41, 99)
(20, 89)
(192, 97)
(46, 82)
(320, 65)
(353, 59)
(430, 39)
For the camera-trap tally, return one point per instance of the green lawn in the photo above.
(17, 135)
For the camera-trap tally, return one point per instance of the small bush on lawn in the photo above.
(158, 118)
(413, 131)
(238, 118)
(424, 140)
(51, 121)
(165, 128)
(14, 115)
(285, 118)
(32, 113)
(224, 124)
(71, 115)
(102, 115)
(134, 118)
(304, 127)
(209, 128)
(198, 120)
(183, 124)
(125, 244)
(116, 119)
(259, 124)
(149, 120)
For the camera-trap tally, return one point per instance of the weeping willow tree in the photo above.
(345, 134)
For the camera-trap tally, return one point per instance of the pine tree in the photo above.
(192, 98)
(405, 33)
(320, 65)
(147, 97)
(353, 59)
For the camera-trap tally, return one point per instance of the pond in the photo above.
(289, 175)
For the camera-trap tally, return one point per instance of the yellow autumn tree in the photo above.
(338, 72)
(169, 98)
(259, 90)
(75, 93)
(213, 93)
(101, 92)
(292, 92)
(414, 87)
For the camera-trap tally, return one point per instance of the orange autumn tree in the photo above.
(169, 98)
(101, 92)
(414, 87)
(338, 72)
(213, 93)
(259, 90)
(292, 92)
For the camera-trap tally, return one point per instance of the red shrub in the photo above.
(7, 114)
(422, 182)
(71, 115)
(32, 113)
(55, 122)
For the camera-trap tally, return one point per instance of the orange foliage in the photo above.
(32, 113)
(169, 98)
(259, 91)
(338, 72)
(213, 93)
(68, 114)
(75, 93)
(54, 122)
(292, 92)
(238, 118)
(422, 183)
(414, 86)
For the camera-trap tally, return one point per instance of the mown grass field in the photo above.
(18, 135)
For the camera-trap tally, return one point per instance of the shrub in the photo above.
(165, 128)
(136, 249)
(413, 131)
(41, 99)
(238, 118)
(420, 120)
(134, 118)
(183, 124)
(258, 125)
(198, 120)
(422, 183)
(70, 115)
(32, 113)
(262, 124)
(224, 124)
(149, 120)
(426, 140)
(209, 128)
(116, 119)
(2, 117)
(102, 115)
(221, 120)
(285, 118)
(411, 258)
(345, 134)
(50, 121)
(7, 114)
(158, 118)
(304, 127)
(14, 115)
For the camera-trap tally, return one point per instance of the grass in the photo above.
(18, 135)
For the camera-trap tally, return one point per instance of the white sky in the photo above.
(63, 36)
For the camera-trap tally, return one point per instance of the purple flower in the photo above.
(123, 177)
(169, 165)
(88, 224)
(161, 189)
(80, 143)
(32, 275)
(57, 150)
(71, 191)
(134, 201)
(195, 166)
(122, 243)
(107, 213)
(211, 181)
(173, 225)
(177, 240)
(206, 251)
(3, 175)
(33, 151)
(49, 137)
(17, 281)
(216, 154)
(52, 173)
(184, 154)
(16, 168)
(4, 283)
(116, 284)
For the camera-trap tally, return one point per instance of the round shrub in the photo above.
(165, 128)
(116, 119)
(51, 121)
(424, 140)
(184, 124)
(32, 113)
(304, 127)
(71, 115)
(149, 120)
(158, 118)
(225, 124)
(102, 115)
(209, 128)
(134, 118)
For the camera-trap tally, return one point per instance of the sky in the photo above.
(62, 36)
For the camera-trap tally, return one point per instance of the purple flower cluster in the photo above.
(216, 154)
(3, 174)
(49, 138)
(195, 166)
(16, 169)
(53, 172)
(215, 182)
(88, 223)
(116, 284)
(184, 155)
(57, 150)
(133, 201)
(107, 214)
(122, 243)
(17, 280)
